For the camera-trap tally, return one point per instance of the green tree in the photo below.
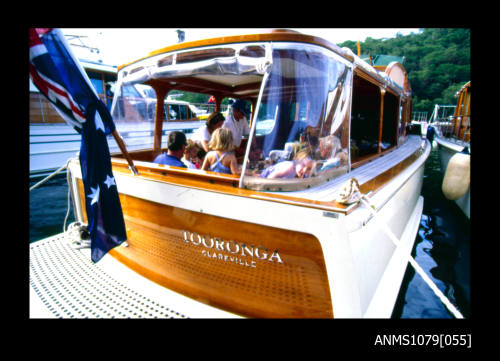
(437, 62)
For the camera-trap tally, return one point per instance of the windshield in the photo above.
(301, 135)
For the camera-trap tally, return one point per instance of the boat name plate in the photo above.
(231, 251)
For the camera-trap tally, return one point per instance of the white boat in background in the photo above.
(281, 248)
(52, 141)
(452, 135)
(51, 145)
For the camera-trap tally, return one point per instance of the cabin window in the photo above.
(365, 118)
(304, 107)
(133, 113)
(134, 104)
(178, 112)
(390, 121)
(185, 106)
(96, 80)
(405, 116)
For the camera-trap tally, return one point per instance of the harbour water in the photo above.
(442, 246)
(442, 249)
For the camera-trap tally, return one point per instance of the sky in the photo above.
(122, 45)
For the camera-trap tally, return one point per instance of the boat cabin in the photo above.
(303, 94)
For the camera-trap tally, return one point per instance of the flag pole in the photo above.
(123, 148)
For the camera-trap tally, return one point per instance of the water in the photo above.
(442, 246)
(442, 249)
(48, 207)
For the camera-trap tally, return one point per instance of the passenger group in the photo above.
(214, 147)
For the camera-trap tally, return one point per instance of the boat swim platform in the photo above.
(65, 283)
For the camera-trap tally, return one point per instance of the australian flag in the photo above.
(60, 78)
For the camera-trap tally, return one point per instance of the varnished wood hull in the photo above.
(261, 255)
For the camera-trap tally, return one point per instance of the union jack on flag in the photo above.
(60, 78)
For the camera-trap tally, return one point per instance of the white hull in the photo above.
(364, 267)
(51, 145)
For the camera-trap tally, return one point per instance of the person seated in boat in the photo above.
(203, 134)
(330, 151)
(200, 157)
(221, 158)
(328, 147)
(300, 167)
(191, 155)
(237, 122)
(176, 144)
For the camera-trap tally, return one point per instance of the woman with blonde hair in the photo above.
(221, 158)
(203, 134)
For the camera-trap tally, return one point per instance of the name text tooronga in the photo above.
(236, 250)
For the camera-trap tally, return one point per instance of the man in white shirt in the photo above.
(237, 122)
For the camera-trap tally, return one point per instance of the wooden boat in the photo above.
(452, 135)
(278, 248)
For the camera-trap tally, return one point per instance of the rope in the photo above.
(49, 177)
(414, 263)
(78, 235)
(351, 194)
(76, 232)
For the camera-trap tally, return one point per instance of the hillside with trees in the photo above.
(437, 62)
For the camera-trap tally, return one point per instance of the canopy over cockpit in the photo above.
(300, 94)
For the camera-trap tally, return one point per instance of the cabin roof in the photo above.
(248, 85)
(273, 35)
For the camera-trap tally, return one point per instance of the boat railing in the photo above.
(454, 127)
(419, 117)
(449, 125)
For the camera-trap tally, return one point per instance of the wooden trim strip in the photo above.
(228, 184)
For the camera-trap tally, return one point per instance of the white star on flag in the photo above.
(110, 181)
(98, 122)
(95, 195)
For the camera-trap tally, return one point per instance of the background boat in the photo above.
(452, 136)
(52, 141)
